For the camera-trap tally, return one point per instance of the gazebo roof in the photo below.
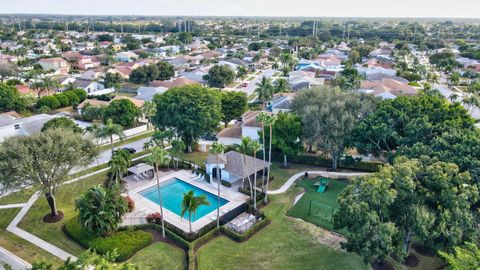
(140, 168)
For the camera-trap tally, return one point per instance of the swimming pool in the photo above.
(172, 196)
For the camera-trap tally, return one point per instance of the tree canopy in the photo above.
(123, 112)
(190, 110)
(234, 104)
(10, 99)
(62, 122)
(219, 76)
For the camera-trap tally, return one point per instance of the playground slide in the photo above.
(321, 188)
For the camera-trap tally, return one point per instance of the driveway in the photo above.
(268, 73)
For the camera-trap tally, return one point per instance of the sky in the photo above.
(277, 8)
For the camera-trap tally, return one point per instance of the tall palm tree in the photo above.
(255, 146)
(37, 86)
(217, 149)
(261, 118)
(264, 90)
(109, 130)
(49, 84)
(158, 157)
(177, 148)
(270, 120)
(149, 110)
(245, 147)
(190, 204)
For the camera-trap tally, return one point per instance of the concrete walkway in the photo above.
(297, 176)
(13, 260)
(12, 227)
(13, 205)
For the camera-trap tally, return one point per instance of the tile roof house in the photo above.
(233, 169)
(178, 82)
(387, 88)
(57, 64)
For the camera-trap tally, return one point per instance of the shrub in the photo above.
(225, 183)
(125, 242)
(154, 218)
(63, 100)
(48, 101)
(130, 203)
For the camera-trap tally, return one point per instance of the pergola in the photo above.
(139, 169)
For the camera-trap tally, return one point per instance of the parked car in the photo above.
(244, 84)
(130, 150)
(209, 137)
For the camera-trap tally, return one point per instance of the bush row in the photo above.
(347, 163)
(67, 98)
(126, 242)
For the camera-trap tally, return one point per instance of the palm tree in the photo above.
(119, 164)
(149, 110)
(261, 118)
(157, 158)
(285, 58)
(177, 147)
(100, 210)
(49, 84)
(264, 90)
(190, 204)
(108, 130)
(275, 65)
(285, 71)
(245, 147)
(217, 149)
(70, 86)
(281, 85)
(269, 120)
(37, 86)
(255, 146)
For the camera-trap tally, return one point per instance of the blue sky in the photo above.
(293, 8)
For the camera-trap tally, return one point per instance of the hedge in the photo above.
(125, 242)
(348, 163)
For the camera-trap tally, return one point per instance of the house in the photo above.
(178, 82)
(128, 56)
(123, 71)
(387, 88)
(196, 74)
(303, 80)
(93, 88)
(93, 74)
(91, 102)
(246, 127)
(233, 169)
(281, 103)
(57, 64)
(147, 93)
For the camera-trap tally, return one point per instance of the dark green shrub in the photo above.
(48, 101)
(126, 242)
(63, 100)
(225, 183)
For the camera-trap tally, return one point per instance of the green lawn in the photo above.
(159, 256)
(65, 198)
(196, 157)
(321, 216)
(282, 175)
(286, 243)
(7, 217)
(125, 141)
(21, 196)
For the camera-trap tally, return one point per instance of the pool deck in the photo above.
(137, 216)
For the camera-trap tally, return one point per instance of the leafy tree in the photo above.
(329, 116)
(349, 79)
(281, 85)
(90, 259)
(123, 112)
(219, 76)
(100, 210)
(185, 37)
(48, 101)
(165, 70)
(407, 120)
(43, 160)
(454, 78)
(62, 122)
(288, 133)
(467, 257)
(217, 149)
(149, 109)
(412, 198)
(7, 70)
(113, 80)
(93, 113)
(108, 131)
(190, 110)
(242, 72)
(234, 104)
(10, 99)
(190, 205)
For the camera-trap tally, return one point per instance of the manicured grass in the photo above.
(321, 216)
(160, 256)
(196, 157)
(21, 196)
(280, 175)
(66, 197)
(286, 243)
(7, 216)
(26, 250)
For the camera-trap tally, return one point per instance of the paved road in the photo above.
(253, 84)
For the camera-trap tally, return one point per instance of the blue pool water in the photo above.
(172, 196)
